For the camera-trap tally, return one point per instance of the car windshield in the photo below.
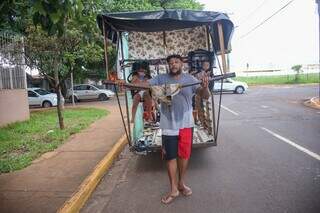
(228, 80)
(42, 92)
(92, 88)
(100, 86)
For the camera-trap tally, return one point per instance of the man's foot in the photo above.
(170, 197)
(185, 190)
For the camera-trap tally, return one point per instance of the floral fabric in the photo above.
(150, 45)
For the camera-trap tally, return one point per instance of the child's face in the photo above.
(141, 72)
(205, 65)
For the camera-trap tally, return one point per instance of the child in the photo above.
(197, 101)
(140, 74)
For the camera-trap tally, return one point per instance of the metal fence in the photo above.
(12, 66)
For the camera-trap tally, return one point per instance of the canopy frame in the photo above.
(220, 46)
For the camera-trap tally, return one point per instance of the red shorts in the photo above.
(179, 145)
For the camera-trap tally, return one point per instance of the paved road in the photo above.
(267, 160)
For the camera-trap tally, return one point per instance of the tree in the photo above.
(47, 55)
(178, 4)
(68, 39)
(297, 69)
(143, 5)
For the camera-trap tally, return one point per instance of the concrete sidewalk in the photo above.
(45, 185)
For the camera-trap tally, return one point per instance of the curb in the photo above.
(79, 198)
(313, 103)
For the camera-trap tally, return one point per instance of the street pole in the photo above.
(318, 2)
(72, 96)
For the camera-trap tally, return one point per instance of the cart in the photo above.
(151, 36)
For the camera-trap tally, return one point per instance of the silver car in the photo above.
(42, 98)
(231, 86)
(87, 91)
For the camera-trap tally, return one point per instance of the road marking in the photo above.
(265, 107)
(229, 110)
(312, 154)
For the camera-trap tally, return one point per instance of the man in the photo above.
(176, 123)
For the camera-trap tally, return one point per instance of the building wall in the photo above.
(13, 106)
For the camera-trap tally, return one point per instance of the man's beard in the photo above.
(176, 73)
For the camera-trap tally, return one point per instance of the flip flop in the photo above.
(169, 198)
(186, 191)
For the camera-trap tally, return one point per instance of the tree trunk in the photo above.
(58, 92)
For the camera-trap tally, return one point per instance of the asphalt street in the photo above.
(267, 160)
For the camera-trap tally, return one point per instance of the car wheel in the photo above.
(239, 90)
(46, 104)
(103, 97)
(75, 99)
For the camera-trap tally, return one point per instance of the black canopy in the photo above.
(166, 20)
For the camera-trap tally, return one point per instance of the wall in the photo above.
(13, 106)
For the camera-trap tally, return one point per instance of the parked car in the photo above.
(42, 98)
(230, 85)
(87, 91)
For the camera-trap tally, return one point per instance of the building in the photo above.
(13, 94)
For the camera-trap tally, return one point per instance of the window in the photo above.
(12, 73)
(32, 94)
(84, 87)
(77, 87)
(42, 91)
(92, 88)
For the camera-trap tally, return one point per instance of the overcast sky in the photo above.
(289, 38)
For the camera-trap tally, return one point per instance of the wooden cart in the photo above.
(152, 36)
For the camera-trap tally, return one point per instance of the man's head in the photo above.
(175, 64)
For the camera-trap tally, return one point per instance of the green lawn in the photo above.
(22, 142)
(282, 79)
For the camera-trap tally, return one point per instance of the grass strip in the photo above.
(22, 142)
(281, 79)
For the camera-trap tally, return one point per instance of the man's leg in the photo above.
(172, 174)
(170, 149)
(182, 166)
(184, 152)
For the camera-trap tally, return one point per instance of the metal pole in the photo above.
(222, 47)
(1, 70)
(125, 93)
(105, 40)
(10, 76)
(222, 50)
(211, 90)
(318, 2)
(24, 66)
(73, 104)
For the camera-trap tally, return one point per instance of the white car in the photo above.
(230, 85)
(87, 91)
(42, 98)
